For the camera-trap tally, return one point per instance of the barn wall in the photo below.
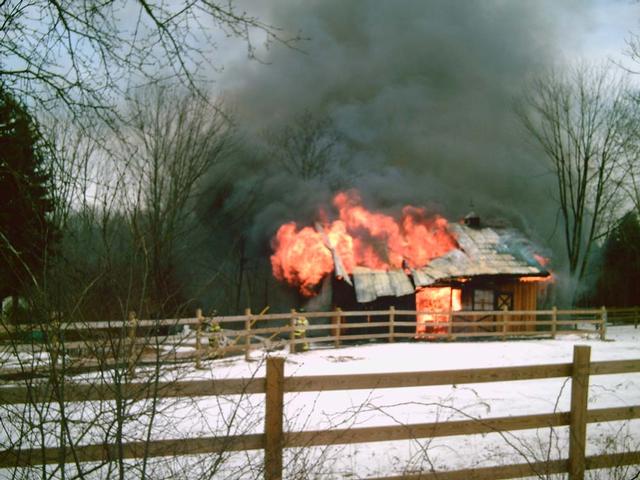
(525, 297)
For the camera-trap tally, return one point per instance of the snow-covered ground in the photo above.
(317, 411)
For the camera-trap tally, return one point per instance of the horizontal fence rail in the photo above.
(93, 346)
(274, 439)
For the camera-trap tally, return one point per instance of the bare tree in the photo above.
(173, 141)
(308, 147)
(580, 119)
(82, 55)
(632, 184)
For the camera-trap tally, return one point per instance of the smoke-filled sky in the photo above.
(423, 94)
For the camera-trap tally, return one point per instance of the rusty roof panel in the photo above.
(482, 251)
(371, 284)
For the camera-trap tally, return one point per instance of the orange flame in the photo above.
(548, 279)
(441, 299)
(360, 238)
(544, 261)
(294, 245)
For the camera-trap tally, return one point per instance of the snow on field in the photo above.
(314, 411)
(358, 408)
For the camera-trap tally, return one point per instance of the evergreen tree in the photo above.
(619, 282)
(26, 233)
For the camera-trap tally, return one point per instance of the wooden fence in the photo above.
(274, 439)
(135, 342)
(624, 316)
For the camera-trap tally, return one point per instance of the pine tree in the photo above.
(26, 233)
(619, 281)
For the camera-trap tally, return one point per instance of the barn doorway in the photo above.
(440, 300)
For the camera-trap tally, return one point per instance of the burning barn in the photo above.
(418, 262)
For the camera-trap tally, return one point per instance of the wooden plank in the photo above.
(613, 414)
(310, 340)
(365, 313)
(424, 430)
(134, 391)
(405, 324)
(457, 335)
(576, 332)
(613, 460)
(579, 402)
(351, 325)
(611, 367)
(512, 334)
(502, 472)
(367, 381)
(247, 334)
(263, 330)
(199, 329)
(154, 448)
(292, 331)
(482, 313)
(579, 320)
(364, 336)
(403, 334)
(274, 412)
(88, 365)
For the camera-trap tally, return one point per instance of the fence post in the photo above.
(131, 336)
(199, 338)
(392, 326)
(504, 318)
(337, 332)
(554, 321)
(273, 419)
(450, 324)
(578, 414)
(603, 325)
(247, 335)
(292, 332)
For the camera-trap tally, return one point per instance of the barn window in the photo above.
(483, 299)
(504, 301)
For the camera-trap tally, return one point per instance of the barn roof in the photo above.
(371, 284)
(481, 251)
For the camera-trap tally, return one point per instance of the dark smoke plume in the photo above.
(421, 92)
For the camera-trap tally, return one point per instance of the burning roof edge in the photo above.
(482, 251)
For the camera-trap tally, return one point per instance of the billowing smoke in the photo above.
(421, 98)
(421, 92)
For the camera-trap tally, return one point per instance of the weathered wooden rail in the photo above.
(274, 439)
(624, 316)
(114, 343)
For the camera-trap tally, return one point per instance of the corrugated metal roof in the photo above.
(483, 251)
(371, 284)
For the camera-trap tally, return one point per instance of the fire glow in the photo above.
(443, 299)
(303, 257)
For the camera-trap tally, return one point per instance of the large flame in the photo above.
(302, 257)
(436, 299)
